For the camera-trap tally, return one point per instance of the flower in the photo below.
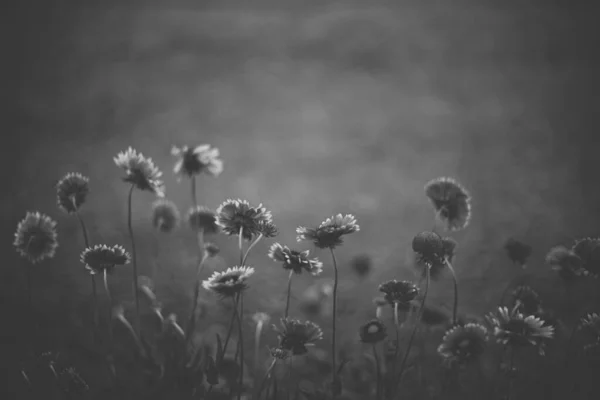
(71, 192)
(329, 233)
(438, 264)
(588, 250)
(36, 237)
(230, 282)
(515, 329)
(590, 324)
(526, 300)
(295, 335)
(140, 171)
(100, 258)
(399, 292)
(451, 202)
(201, 218)
(165, 215)
(211, 249)
(462, 344)
(261, 318)
(429, 248)
(267, 229)
(295, 260)
(361, 265)
(518, 252)
(234, 216)
(373, 331)
(197, 160)
(279, 353)
(565, 262)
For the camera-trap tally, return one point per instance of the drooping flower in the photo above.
(202, 218)
(513, 328)
(428, 247)
(230, 282)
(295, 335)
(36, 237)
(451, 202)
(165, 215)
(526, 300)
(236, 215)
(71, 192)
(197, 160)
(295, 260)
(140, 171)
(329, 233)
(565, 262)
(100, 258)
(463, 344)
(373, 331)
(399, 292)
(588, 250)
(517, 251)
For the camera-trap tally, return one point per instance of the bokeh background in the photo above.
(317, 108)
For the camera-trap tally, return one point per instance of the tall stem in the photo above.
(86, 241)
(510, 372)
(134, 260)
(110, 305)
(397, 347)
(266, 378)
(229, 330)
(289, 290)
(257, 335)
(455, 309)
(192, 319)
(193, 187)
(250, 248)
(241, 342)
(333, 347)
(241, 245)
(378, 369)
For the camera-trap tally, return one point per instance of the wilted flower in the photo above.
(526, 300)
(462, 344)
(399, 292)
(211, 249)
(201, 218)
(329, 233)
(35, 237)
(565, 262)
(100, 258)
(429, 248)
(295, 260)
(361, 265)
(295, 335)
(230, 282)
(373, 331)
(236, 215)
(71, 192)
(451, 201)
(197, 160)
(140, 171)
(588, 250)
(165, 215)
(517, 251)
(515, 329)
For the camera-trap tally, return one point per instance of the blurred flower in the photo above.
(172, 326)
(36, 237)
(236, 215)
(373, 331)
(165, 215)
(197, 160)
(100, 258)
(517, 251)
(279, 353)
(462, 344)
(429, 247)
(295, 260)
(588, 250)
(438, 264)
(146, 286)
(401, 292)
(379, 302)
(261, 318)
(361, 265)
(140, 171)
(295, 335)
(71, 192)
(201, 218)
(451, 201)
(526, 300)
(329, 233)
(211, 249)
(230, 282)
(565, 262)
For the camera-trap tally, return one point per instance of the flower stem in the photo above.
(397, 347)
(250, 248)
(229, 330)
(289, 290)
(266, 378)
(455, 309)
(241, 245)
(193, 189)
(86, 241)
(192, 319)
(378, 369)
(333, 347)
(241, 342)
(134, 260)
(257, 335)
(510, 372)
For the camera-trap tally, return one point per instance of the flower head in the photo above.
(438, 264)
(211, 249)
(279, 353)
(234, 216)
(295, 260)
(451, 202)
(261, 318)
(462, 344)
(515, 329)
(399, 292)
(100, 258)
(71, 192)
(588, 250)
(165, 215)
(590, 325)
(230, 282)
(565, 262)
(140, 171)
(267, 229)
(526, 300)
(428, 247)
(201, 218)
(294, 335)
(197, 160)
(517, 251)
(329, 233)
(36, 237)
(373, 331)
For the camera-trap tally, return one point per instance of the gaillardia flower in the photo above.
(71, 192)
(451, 202)
(201, 218)
(234, 216)
(197, 160)
(438, 264)
(101, 258)
(526, 300)
(429, 248)
(399, 292)
(165, 215)
(295, 335)
(588, 250)
(329, 233)
(230, 282)
(373, 331)
(462, 344)
(140, 171)
(294, 260)
(517, 251)
(267, 229)
(36, 238)
(565, 262)
(512, 328)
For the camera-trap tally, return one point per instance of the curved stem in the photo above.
(289, 290)
(250, 248)
(134, 261)
(378, 369)
(455, 310)
(333, 347)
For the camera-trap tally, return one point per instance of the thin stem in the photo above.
(289, 290)
(110, 305)
(83, 230)
(229, 330)
(510, 371)
(290, 370)
(240, 316)
(378, 369)
(257, 335)
(192, 319)
(134, 260)
(266, 378)
(333, 347)
(455, 310)
(193, 187)
(86, 241)
(241, 245)
(397, 348)
(260, 236)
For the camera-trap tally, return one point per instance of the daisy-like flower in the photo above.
(165, 215)
(230, 282)
(451, 202)
(565, 262)
(197, 160)
(463, 344)
(515, 329)
(526, 300)
(588, 250)
(373, 331)
(438, 264)
(267, 229)
(236, 215)
(517, 251)
(71, 192)
(201, 218)
(295, 335)
(36, 237)
(140, 171)
(400, 292)
(590, 324)
(329, 233)
(100, 258)
(428, 247)
(294, 260)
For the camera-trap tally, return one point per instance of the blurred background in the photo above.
(318, 108)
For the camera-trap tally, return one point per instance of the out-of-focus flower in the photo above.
(526, 300)
(261, 318)
(463, 344)
(379, 303)
(230, 282)
(204, 219)
(234, 216)
(146, 286)
(71, 192)
(36, 237)
(295, 335)
(590, 324)
(165, 215)
(588, 250)
(100, 258)
(438, 264)
(451, 202)
(140, 171)
(429, 248)
(399, 292)
(565, 262)
(211, 249)
(518, 252)
(329, 233)
(361, 265)
(373, 331)
(294, 260)
(193, 161)
(279, 353)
